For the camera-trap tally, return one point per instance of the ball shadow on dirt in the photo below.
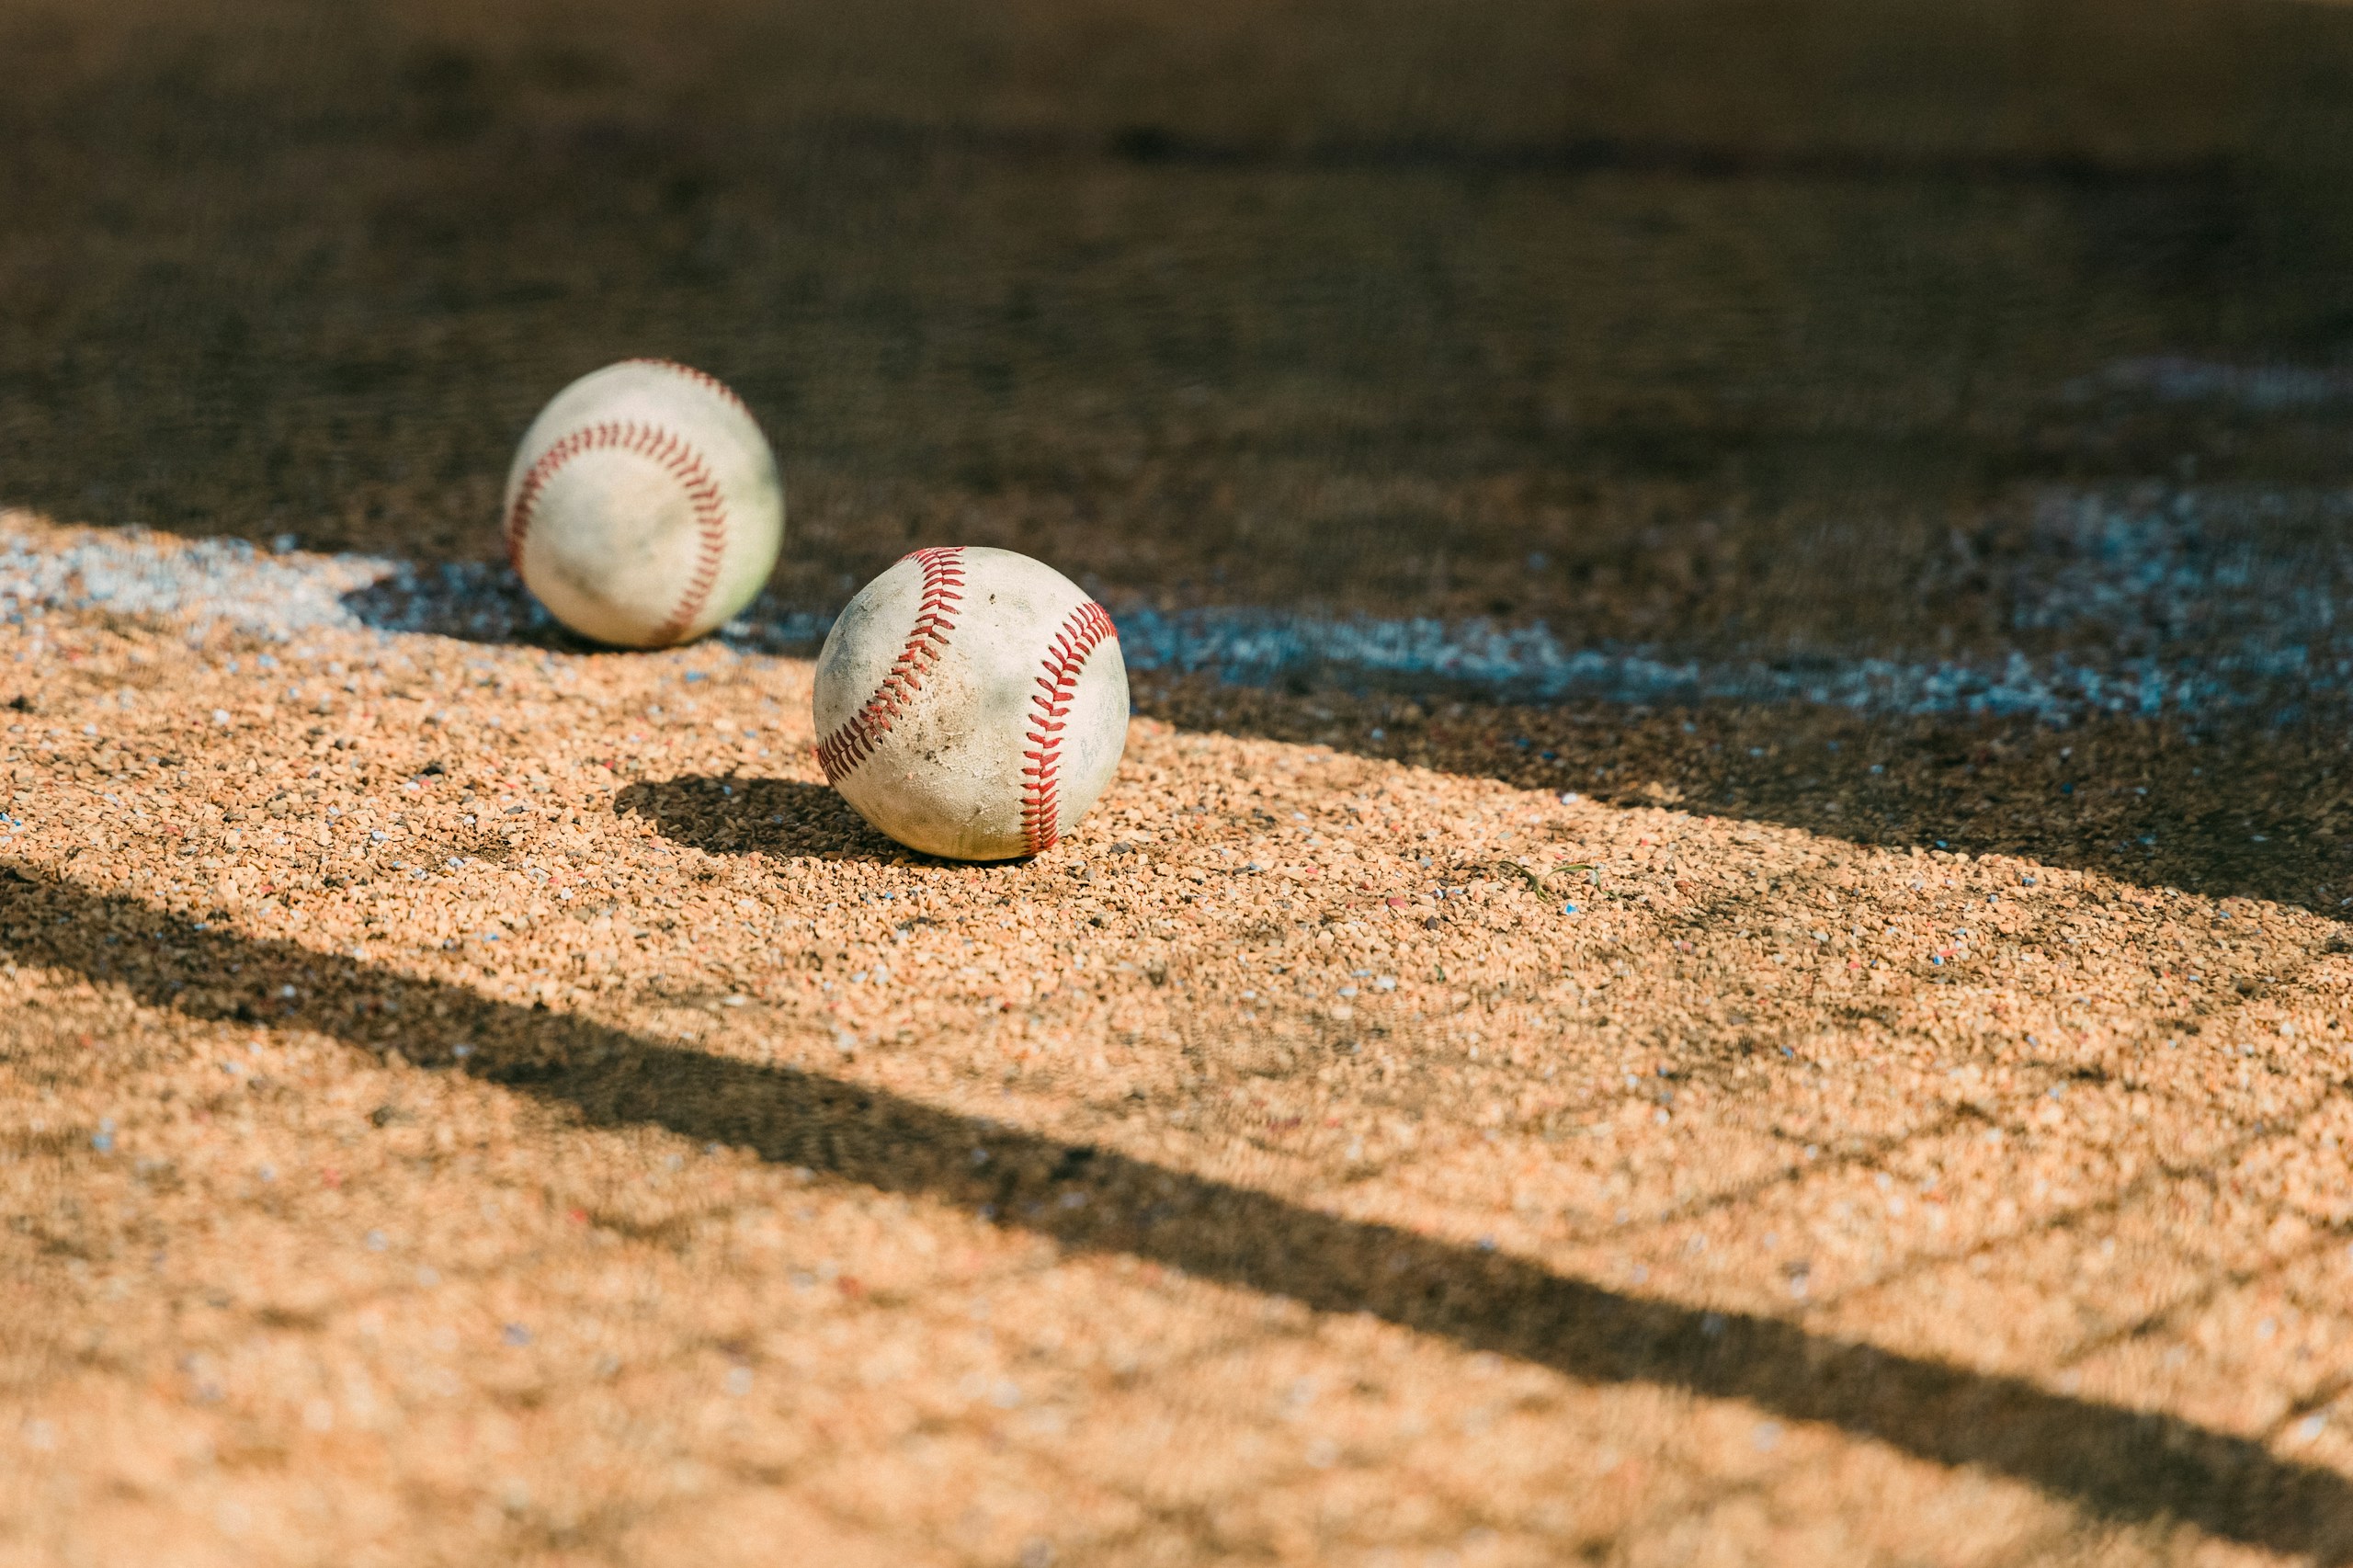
(469, 600)
(787, 818)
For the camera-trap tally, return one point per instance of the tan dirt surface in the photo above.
(469, 1102)
(471, 1105)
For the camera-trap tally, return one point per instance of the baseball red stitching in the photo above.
(702, 379)
(943, 574)
(1088, 629)
(684, 464)
(710, 553)
(713, 551)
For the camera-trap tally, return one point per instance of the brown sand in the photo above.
(471, 1105)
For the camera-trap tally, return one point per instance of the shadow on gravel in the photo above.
(472, 601)
(2122, 1464)
(475, 601)
(2244, 809)
(783, 817)
(2260, 813)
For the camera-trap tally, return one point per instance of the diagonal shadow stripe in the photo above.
(2127, 1465)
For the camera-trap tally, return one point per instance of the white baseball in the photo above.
(971, 703)
(644, 507)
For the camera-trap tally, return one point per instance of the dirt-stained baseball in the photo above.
(971, 703)
(644, 507)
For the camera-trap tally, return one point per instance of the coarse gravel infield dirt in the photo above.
(1721, 939)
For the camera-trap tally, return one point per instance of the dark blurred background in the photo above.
(1717, 325)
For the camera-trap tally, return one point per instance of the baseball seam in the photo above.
(683, 462)
(1088, 628)
(854, 741)
(702, 379)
